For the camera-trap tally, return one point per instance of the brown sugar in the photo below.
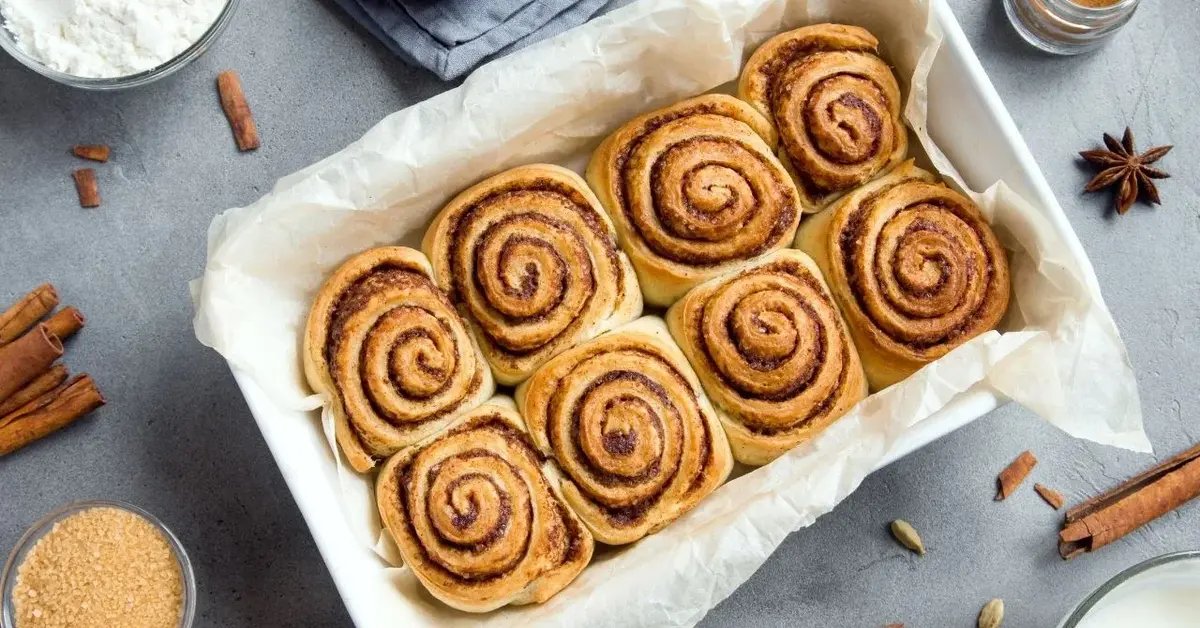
(101, 567)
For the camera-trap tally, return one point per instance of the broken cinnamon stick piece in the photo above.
(93, 152)
(43, 384)
(1014, 474)
(66, 322)
(1052, 497)
(17, 319)
(1136, 502)
(66, 404)
(27, 357)
(237, 110)
(87, 188)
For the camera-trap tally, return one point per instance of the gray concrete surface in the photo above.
(178, 439)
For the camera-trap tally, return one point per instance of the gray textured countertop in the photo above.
(178, 440)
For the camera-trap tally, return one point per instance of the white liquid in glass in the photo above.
(1166, 608)
(1167, 596)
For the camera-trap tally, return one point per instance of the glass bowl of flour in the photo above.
(110, 44)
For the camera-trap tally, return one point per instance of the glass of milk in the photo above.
(1163, 592)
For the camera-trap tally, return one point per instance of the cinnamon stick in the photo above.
(43, 384)
(1138, 501)
(1051, 496)
(1014, 474)
(64, 406)
(17, 319)
(27, 357)
(93, 152)
(86, 187)
(66, 322)
(237, 110)
(37, 403)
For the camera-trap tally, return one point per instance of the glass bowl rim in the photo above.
(1081, 609)
(163, 70)
(46, 523)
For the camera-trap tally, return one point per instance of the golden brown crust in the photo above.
(393, 359)
(694, 190)
(772, 352)
(915, 267)
(531, 259)
(835, 103)
(630, 429)
(475, 517)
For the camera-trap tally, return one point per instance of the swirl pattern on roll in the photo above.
(531, 259)
(475, 517)
(385, 345)
(628, 426)
(916, 267)
(694, 190)
(835, 103)
(772, 352)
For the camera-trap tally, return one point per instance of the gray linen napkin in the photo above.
(451, 37)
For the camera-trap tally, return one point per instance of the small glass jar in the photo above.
(1068, 27)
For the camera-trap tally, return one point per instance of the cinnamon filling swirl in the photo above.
(531, 276)
(629, 430)
(921, 263)
(774, 341)
(699, 195)
(476, 519)
(635, 399)
(472, 513)
(835, 103)
(396, 345)
(530, 259)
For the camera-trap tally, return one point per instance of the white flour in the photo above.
(107, 38)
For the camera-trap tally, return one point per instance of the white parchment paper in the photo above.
(1059, 352)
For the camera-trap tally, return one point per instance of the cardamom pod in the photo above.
(992, 614)
(907, 536)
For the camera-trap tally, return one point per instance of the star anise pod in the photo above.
(1126, 169)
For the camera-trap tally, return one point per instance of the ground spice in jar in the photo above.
(100, 568)
(1068, 27)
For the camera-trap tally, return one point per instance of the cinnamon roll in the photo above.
(915, 267)
(390, 354)
(475, 517)
(532, 261)
(836, 106)
(630, 430)
(694, 190)
(772, 352)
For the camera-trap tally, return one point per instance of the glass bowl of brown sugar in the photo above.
(98, 564)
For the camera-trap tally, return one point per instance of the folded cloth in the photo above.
(451, 37)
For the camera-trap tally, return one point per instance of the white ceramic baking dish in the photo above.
(979, 138)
